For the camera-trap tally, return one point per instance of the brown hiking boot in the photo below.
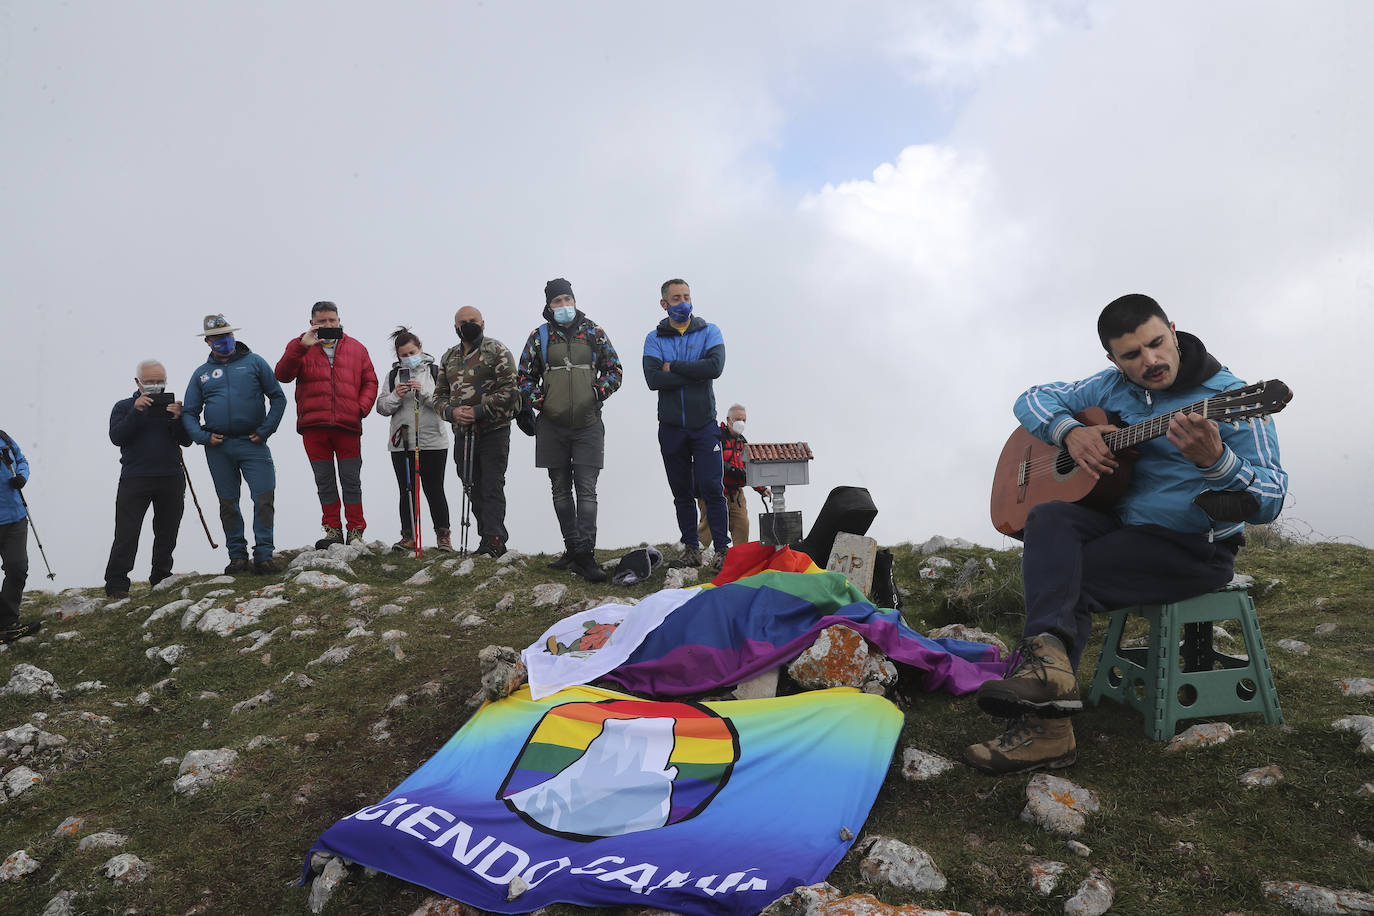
(406, 545)
(1029, 743)
(1040, 682)
(690, 558)
(442, 540)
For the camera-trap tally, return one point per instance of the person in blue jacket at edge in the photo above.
(14, 541)
(230, 387)
(682, 357)
(1173, 535)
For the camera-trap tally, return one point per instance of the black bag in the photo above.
(525, 419)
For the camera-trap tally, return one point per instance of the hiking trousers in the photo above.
(692, 461)
(1078, 561)
(487, 483)
(739, 518)
(14, 559)
(167, 496)
(242, 460)
(323, 444)
(433, 466)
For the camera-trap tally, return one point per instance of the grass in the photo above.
(1177, 833)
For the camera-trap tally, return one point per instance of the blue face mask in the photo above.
(680, 312)
(223, 345)
(564, 314)
(413, 361)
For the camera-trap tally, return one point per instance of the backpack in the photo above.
(526, 418)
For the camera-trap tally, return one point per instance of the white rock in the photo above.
(393, 635)
(1057, 806)
(357, 632)
(19, 780)
(167, 610)
(349, 552)
(70, 826)
(252, 703)
(126, 868)
(1360, 725)
(893, 862)
(938, 543)
(66, 636)
(919, 765)
(389, 610)
(21, 735)
(60, 905)
(332, 656)
(1356, 686)
(324, 885)
(18, 864)
(465, 568)
(1296, 646)
(218, 593)
(172, 655)
(517, 886)
(759, 687)
(547, 594)
(422, 577)
(245, 616)
(506, 603)
(1045, 875)
(201, 768)
(940, 563)
(1262, 777)
(316, 579)
(220, 580)
(88, 687)
(1316, 900)
(75, 606)
(1205, 734)
(174, 580)
(968, 634)
(680, 577)
(1095, 896)
(105, 839)
(1240, 580)
(30, 681)
(429, 612)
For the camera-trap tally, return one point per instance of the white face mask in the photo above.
(738, 427)
(154, 387)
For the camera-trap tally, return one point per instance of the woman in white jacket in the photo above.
(410, 383)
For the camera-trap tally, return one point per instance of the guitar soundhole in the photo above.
(1063, 463)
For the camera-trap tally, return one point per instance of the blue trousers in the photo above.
(232, 461)
(1079, 561)
(692, 460)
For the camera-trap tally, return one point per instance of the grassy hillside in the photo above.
(1177, 833)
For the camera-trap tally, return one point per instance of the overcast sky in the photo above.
(899, 214)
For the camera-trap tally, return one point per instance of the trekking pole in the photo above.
(467, 489)
(195, 500)
(415, 487)
(9, 463)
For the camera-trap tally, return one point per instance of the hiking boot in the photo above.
(1029, 743)
(563, 562)
(355, 536)
(491, 547)
(442, 540)
(116, 594)
(691, 556)
(267, 567)
(19, 631)
(406, 545)
(719, 560)
(237, 565)
(584, 565)
(331, 536)
(1040, 682)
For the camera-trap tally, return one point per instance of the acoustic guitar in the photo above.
(1030, 472)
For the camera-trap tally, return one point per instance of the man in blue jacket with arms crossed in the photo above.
(682, 356)
(1173, 535)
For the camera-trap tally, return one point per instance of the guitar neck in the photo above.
(1152, 428)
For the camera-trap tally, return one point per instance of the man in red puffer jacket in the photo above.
(335, 388)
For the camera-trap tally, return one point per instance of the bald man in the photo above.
(477, 393)
(150, 437)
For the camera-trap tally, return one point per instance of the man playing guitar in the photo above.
(1173, 535)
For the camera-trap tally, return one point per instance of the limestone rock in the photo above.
(938, 543)
(171, 655)
(469, 621)
(332, 656)
(244, 616)
(423, 577)
(1322, 629)
(18, 864)
(919, 765)
(1044, 875)
(251, 703)
(1316, 900)
(465, 568)
(502, 671)
(550, 593)
(868, 905)
(1205, 734)
(893, 862)
(838, 658)
(89, 687)
(29, 735)
(105, 839)
(1356, 686)
(313, 578)
(441, 906)
(174, 580)
(126, 868)
(30, 681)
(968, 634)
(1360, 725)
(168, 610)
(201, 768)
(19, 780)
(759, 687)
(60, 905)
(358, 631)
(802, 901)
(854, 555)
(681, 577)
(1262, 777)
(1058, 806)
(75, 606)
(70, 826)
(324, 885)
(1078, 849)
(506, 603)
(1296, 646)
(1095, 896)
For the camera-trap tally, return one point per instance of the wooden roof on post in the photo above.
(778, 451)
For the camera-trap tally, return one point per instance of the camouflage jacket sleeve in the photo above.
(442, 384)
(609, 372)
(531, 372)
(501, 399)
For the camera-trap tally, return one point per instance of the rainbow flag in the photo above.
(599, 799)
(728, 634)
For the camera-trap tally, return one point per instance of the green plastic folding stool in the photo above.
(1181, 675)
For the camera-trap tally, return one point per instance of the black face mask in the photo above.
(470, 331)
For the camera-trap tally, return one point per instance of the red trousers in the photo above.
(324, 444)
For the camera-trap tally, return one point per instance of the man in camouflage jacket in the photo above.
(477, 393)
